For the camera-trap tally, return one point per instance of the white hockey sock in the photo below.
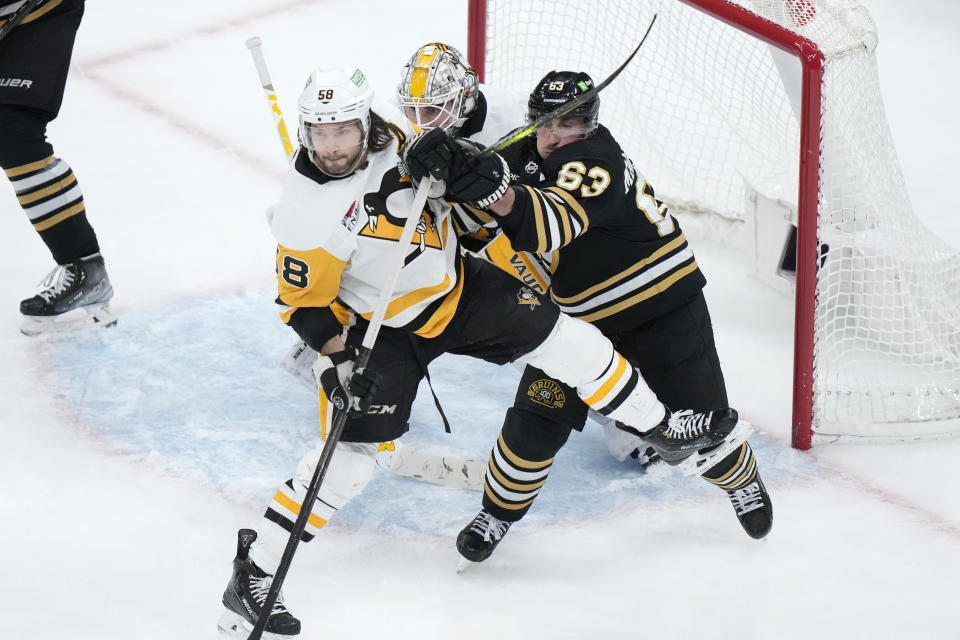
(267, 549)
(351, 468)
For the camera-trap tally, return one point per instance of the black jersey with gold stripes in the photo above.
(634, 264)
(45, 8)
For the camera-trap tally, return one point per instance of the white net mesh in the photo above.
(706, 110)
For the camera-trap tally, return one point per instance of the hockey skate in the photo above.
(245, 594)
(67, 289)
(479, 538)
(753, 507)
(695, 441)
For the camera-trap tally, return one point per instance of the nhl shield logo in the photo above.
(352, 216)
(526, 297)
(547, 393)
(531, 167)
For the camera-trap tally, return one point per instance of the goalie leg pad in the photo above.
(447, 470)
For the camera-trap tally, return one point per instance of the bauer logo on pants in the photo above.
(16, 82)
(547, 393)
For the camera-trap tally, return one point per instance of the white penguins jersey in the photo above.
(336, 242)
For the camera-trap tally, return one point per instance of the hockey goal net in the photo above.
(734, 101)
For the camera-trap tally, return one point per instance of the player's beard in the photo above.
(339, 163)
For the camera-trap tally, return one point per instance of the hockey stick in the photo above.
(18, 16)
(566, 108)
(255, 45)
(363, 358)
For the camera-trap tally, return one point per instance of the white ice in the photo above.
(130, 457)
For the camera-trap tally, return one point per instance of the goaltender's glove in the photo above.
(345, 388)
(429, 153)
(470, 176)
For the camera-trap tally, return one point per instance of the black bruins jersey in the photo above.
(634, 265)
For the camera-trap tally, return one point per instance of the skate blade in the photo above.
(464, 564)
(84, 318)
(233, 625)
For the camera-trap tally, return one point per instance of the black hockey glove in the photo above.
(479, 180)
(469, 177)
(429, 153)
(344, 387)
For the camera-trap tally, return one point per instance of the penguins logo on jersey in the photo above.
(547, 393)
(526, 296)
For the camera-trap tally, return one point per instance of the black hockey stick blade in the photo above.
(18, 16)
(566, 108)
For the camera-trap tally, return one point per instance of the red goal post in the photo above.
(724, 124)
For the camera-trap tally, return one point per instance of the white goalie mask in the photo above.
(335, 119)
(438, 88)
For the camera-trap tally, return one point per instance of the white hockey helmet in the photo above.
(438, 88)
(335, 119)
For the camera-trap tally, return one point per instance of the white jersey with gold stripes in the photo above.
(337, 242)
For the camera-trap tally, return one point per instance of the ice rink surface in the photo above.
(131, 456)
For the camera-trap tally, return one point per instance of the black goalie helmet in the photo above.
(558, 88)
